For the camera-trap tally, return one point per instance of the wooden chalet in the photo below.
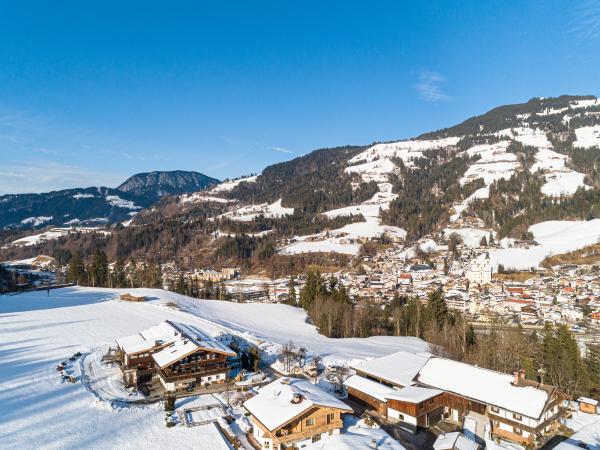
(291, 413)
(178, 355)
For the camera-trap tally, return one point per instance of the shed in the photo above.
(132, 298)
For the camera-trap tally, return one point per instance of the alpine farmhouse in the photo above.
(179, 355)
(421, 390)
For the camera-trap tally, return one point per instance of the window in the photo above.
(330, 418)
(495, 424)
(316, 438)
(517, 416)
(517, 430)
(495, 410)
(431, 400)
(310, 422)
(420, 405)
(267, 444)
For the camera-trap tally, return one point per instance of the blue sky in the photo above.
(91, 92)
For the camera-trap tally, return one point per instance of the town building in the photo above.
(480, 270)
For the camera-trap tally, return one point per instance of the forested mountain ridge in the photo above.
(506, 169)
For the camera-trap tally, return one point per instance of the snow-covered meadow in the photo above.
(554, 237)
(37, 332)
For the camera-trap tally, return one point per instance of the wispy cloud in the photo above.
(429, 87)
(28, 176)
(282, 150)
(586, 20)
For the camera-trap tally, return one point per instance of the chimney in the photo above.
(518, 377)
(374, 443)
(296, 398)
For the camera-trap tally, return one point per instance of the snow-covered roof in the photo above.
(399, 368)
(483, 385)
(589, 401)
(161, 334)
(179, 339)
(369, 387)
(186, 345)
(413, 394)
(352, 441)
(455, 440)
(273, 406)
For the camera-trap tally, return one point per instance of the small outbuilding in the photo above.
(132, 298)
(587, 405)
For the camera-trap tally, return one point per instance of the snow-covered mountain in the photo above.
(498, 174)
(523, 159)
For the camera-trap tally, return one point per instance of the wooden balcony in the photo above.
(203, 372)
(306, 433)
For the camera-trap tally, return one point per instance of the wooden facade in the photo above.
(361, 397)
(314, 422)
(463, 405)
(200, 366)
(196, 367)
(428, 412)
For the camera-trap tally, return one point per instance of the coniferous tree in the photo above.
(76, 272)
(292, 291)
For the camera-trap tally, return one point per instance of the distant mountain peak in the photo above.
(153, 185)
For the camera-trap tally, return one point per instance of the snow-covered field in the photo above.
(37, 332)
(227, 186)
(560, 180)
(554, 237)
(587, 137)
(495, 163)
(117, 201)
(471, 236)
(55, 233)
(36, 221)
(250, 212)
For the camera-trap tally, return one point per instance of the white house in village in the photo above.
(480, 270)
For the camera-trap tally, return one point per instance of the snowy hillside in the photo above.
(494, 154)
(39, 331)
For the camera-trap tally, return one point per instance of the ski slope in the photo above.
(38, 331)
